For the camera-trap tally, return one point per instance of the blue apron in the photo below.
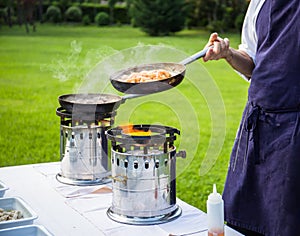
(262, 189)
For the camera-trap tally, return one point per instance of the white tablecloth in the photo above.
(72, 210)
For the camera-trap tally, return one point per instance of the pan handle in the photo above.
(130, 96)
(195, 57)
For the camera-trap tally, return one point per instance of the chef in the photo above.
(262, 189)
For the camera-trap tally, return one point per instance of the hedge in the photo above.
(89, 9)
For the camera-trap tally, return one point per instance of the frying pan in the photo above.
(93, 102)
(177, 70)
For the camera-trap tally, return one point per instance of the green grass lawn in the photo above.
(29, 131)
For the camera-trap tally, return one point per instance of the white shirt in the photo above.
(249, 37)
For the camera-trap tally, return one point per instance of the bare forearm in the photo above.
(220, 49)
(240, 61)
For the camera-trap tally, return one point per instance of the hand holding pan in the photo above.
(177, 70)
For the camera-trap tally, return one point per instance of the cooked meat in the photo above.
(147, 76)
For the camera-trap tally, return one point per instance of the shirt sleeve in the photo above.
(249, 36)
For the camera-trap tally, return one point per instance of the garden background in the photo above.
(29, 130)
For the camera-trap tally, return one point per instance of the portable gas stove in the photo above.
(83, 146)
(143, 164)
(143, 158)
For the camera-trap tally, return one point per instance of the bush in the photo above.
(91, 9)
(121, 15)
(3, 16)
(102, 18)
(160, 17)
(53, 14)
(73, 14)
(238, 23)
(86, 20)
(3, 13)
(216, 26)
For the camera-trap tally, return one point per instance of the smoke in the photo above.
(77, 63)
(181, 107)
(98, 78)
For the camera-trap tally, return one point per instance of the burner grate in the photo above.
(88, 118)
(154, 137)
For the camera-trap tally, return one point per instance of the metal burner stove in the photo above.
(143, 164)
(83, 147)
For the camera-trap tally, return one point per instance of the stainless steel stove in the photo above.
(143, 160)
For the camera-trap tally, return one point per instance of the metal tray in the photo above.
(3, 188)
(17, 203)
(27, 230)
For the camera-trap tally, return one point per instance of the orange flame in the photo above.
(130, 130)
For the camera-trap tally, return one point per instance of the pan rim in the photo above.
(64, 96)
(131, 69)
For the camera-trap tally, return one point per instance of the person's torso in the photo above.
(275, 82)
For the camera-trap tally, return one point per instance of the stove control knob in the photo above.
(156, 163)
(146, 164)
(135, 164)
(125, 163)
(181, 154)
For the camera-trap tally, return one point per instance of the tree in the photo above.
(217, 15)
(158, 17)
(41, 11)
(8, 11)
(111, 4)
(26, 9)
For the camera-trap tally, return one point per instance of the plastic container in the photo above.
(17, 203)
(27, 230)
(3, 188)
(215, 213)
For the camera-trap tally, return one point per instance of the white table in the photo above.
(72, 210)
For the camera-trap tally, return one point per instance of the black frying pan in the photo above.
(176, 69)
(92, 102)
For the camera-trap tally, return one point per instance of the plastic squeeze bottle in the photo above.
(215, 213)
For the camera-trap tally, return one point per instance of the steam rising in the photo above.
(94, 68)
(187, 109)
(97, 80)
(77, 63)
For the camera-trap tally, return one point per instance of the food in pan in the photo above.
(6, 215)
(146, 76)
(89, 98)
